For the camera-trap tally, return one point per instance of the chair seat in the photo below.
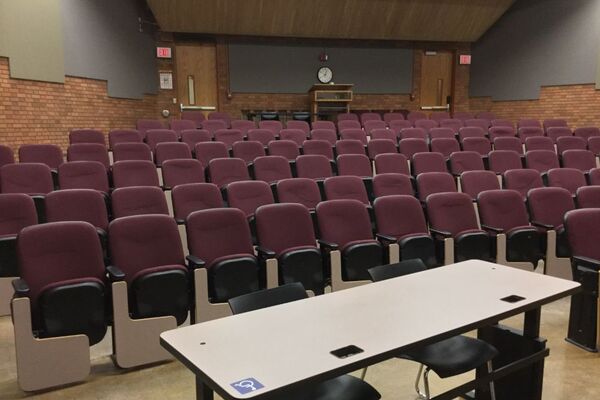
(453, 356)
(344, 387)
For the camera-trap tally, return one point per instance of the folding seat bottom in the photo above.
(358, 257)
(304, 265)
(472, 245)
(523, 244)
(161, 293)
(232, 277)
(419, 246)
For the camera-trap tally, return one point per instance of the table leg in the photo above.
(531, 327)
(203, 392)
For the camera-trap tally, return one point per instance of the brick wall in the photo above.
(578, 104)
(42, 112)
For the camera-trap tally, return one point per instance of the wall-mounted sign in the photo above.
(163, 52)
(464, 59)
(166, 80)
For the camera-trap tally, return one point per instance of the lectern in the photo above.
(328, 98)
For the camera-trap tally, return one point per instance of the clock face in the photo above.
(324, 74)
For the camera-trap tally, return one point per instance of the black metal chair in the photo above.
(449, 357)
(344, 387)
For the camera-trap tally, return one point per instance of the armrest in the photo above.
(165, 188)
(115, 274)
(440, 233)
(385, 239)
(20, 287)
(492, 228)
(180, 221)
(265, 253)
(580, 261)
(195, 262)
(101, 232)
(327, 245)
(541, 225)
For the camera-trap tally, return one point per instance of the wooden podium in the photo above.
(329, 98)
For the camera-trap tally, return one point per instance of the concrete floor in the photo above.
(570, 373)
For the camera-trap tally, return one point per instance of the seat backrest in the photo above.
(83, 175)
(426, 124)
(223, 171)
(508, 143)
(138, 200)
(583, 230)
(539, 143)
(28, 178)
(213, 125)
(287, 149)
(179, 125)
(588, 197)
(349, 146)
(586, 132)
(354, 164)
(501, 131)
(267, 298)
(134, 173)
(77, 205)
(343, 221)
(399, 216)
(502, 209)
(299, 190)
(49, 154)
(313, 167)
(380, 146)
(453, 124)
(428, 162)
(392, 184)
(86, 136)
(393, 116)
(594, 176)
(541, 160)
(444, 146)
(463, 116)
(475, 182)
(220, 116)
(273, 227)
(410, 147)
(447, 132)
(127, 151)
(218, 232)
(273, 126)
(323, 125)
(346, 187)
(434, 182)
(391, 163)
(194, 115)
(471, 131)
(324, 134)
(171, 151)
(439, 115)
(501, 161)
(558, 131)
(593, 144)
(554, 123)
(301, 125)
(529, 123)
(462, 161)
(243, 125)
(272, 168)
(140, 242)
(373, 124)
(525, 132)
(190, 197)
(191, 137)
(414, 133)
(248, 150)
(451, 212)
(88, 152)
(478, 123)
(522, 180)
(369, 116)
(480, 145)
(321, 147)
(549, 205)
(347, 117)
(261, 135)
(564, 143)
(156, 136)
(17, 211)
(228, 136)
(416, 115)
(297, 136)
(249, 195)
(570, 179)
(179, 172)
(583, 160)
(384, 134)
(397, 125)
(354, 134)
(502, 122)
(6, 155)
(207, 151)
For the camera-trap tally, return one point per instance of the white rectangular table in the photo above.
(287, 346)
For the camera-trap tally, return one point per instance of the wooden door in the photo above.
(197, 74)
(436, 78)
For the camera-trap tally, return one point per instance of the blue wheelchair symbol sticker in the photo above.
(247, 385)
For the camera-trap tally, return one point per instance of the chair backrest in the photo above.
(134, 173)
(347, 117)
(179, 125)
(426, 124)
(248, 150)
(131, 151)
(399, 216)
(297, 136)
(501, 161)
(434, 182)
(87, 136)
(88, 152)
(451, 212)
(83, 175)
(49, 154)
(525, 132)
(77, 205)
(405, 267)
(323, 125)
(539, 143)
(287, 149)
(502, 122)
(324, 134)
(380, 146)
(392, 184)
(369, 116)
(28, 178)
(586, 132)
(193, 115)
(191, 197)
(218, 232)
(414, 133)
(501, 131)
(301, 125)
(272, 168)
(594, 176)
(554, 123)
(549, 205)
(416, 115)
(373, 124)
(397, 125)
(6, 155)
(444, 146)
(156, 136)
(243, 125)
(541, 160)
(267, 298)
(508, 143)
(570, 179)
(228, 136)
(478, 123)
(138, 200)
(141, 242)
(471, 131)
(354, 164)
(529, 123)
(588, 197)
(446, 132)
(391, 163)
(171, 151)
(354, 134)
(593, 144)
(480, 145)
(439, 115)
(463, 116)
(462, 161)
(321, 147)
(570, 143)
(17, 211)
(384, 134)
(410, 147)
(261, 135)
(475, 182)
(346, 187)
(583, 160)
(299, 190)
(273, 227)
(453, 124)
(144, 125)
(313, 167)
(393, 116)
(223, 171)
(272, 125)
(558, 131)
(348, 124)
(348, 146)
(220, 116)
(502, 209)
(207, 151)
(522, 180)
(213, 125)
(179, 172)
(343, 221)
(428, 162)
(583, 231)
(249, 195)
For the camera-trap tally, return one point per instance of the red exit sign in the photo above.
(464, 59)
(163, 52)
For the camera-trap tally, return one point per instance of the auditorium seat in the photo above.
(88, 152)
(409, 147)
(484, 124)
(297, 136)
(171, 151)
(471, 131)
(348, 146)
(248, 150)
(593, 145)
(346, 187)
(348, 124)
(328, 135)
(475, 182)
(392, 184)
(323, 125)
(316, 167)
(501, 161)
(522, 180)
(228, 136)
(243, 125)
(463, 116)
(554, 123)
(248, 196)
(178, 125)
(480, 145)
(144, 125)
(261, 135)
(131, 151)
(384, 134)
(220, 116)
(6, 155)
(594, 176)
(369, 116)
(320, 147)
(190, 197)
(501, 131)
(223, 171)
(347, 116)
(354, 164)
(181, 171)
(33, 179)
(151, 287)
(388, 117)
(397, 125)
(529, 123)
(301, 125)
(213, 125)
(570, 143)
(87, 136)
(194, 115)
(271, 169)
(509, 143)
(299, 190)
(272, 125)
(354, 134)
(452, 124)
(439, 115)
(583, 160)
(83, 175)
(380, 146)
(426, 124)
(504, 216)
(541, 160)
(443, 132)
(586, 132)
(49, 154)
(502, 122)
(372, 125)
(462, 161)
(416, 115)
(207, 151)
(434, 182)
(134, 173)
(558, 131)
(287, 149)
(453, 225)
(428, 162)
(588, 197)
(391, 163)
(570, 179)
(525, 132)
(414, 133)
(138, 200)
(155, 136)
(444, 146)
(547, 209)
(539, 143)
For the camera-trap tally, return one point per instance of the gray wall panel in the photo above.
(102, 41)
(263, 68)
(537, 43)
